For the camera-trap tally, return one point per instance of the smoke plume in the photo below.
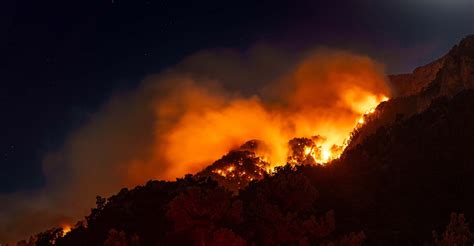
(181, 120)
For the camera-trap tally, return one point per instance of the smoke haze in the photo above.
(183, 119)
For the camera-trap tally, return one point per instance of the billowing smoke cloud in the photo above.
(183, 119)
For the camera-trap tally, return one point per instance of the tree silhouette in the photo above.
(201, 214)
(119, 238)
(457, 233)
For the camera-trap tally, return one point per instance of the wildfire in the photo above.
(318, 154)
(318, 103)
(66, 229)
(228, 171)
(182, 120)
(325, 155)
(361, 120)
(328, 154)
(312, 151)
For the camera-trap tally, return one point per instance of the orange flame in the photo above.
(66, 229)
(323, 96)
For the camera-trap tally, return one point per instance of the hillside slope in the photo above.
(403, 174)
(404, 180)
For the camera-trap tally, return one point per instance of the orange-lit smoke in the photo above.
(323, 95)
(185, 118)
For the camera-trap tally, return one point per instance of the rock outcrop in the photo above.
(450, 74)
(415, 92)
(457, 73)
(420, 78)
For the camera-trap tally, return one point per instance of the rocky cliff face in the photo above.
(457, 73)
(415, 92)
(420, 78)
(446, 76)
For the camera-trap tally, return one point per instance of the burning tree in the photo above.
(238, 168)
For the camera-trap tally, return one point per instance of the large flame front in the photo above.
(323, 98)
(248, 162)
(318, 150)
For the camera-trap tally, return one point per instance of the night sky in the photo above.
(60, 60)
